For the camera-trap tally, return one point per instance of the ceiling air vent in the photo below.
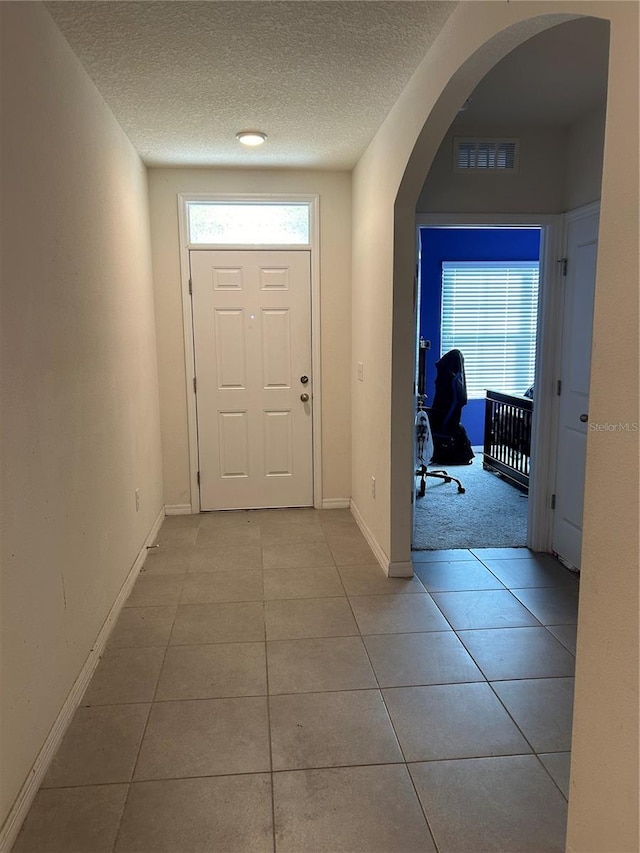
(485, 155)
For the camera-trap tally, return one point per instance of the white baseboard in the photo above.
(392, 570)
(336, 503)
(21, 806)
(380, 555)
(401, 570)
(177, 509)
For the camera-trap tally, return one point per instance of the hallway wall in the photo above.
(560, 169)
(585, 146)
(334, 189)
(603, 811)
(80, 421)
(537, 186)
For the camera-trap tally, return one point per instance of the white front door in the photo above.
(252, 339)
(577, 326)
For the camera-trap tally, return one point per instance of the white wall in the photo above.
(537, 186)
(585, 149)
(560, 170)
(80, 422)
(603, 806)
(77, 363)
(334, 189)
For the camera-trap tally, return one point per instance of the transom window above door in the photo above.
(259, 223)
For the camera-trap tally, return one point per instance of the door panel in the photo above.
(278, 444)
(276, 349)
(231, 346)
(581, 251)
(252, 341)
(234, 444)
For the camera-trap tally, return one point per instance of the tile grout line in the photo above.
(486, 681)
(124, 806)
(404, 762)
(144, 731)
(395, 734)
(548, 772)
(137, 757)
(397, 763)
(533, 749)
(269, 730)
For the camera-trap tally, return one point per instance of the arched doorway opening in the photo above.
(545, 102)
(456, 92)
(609, 511)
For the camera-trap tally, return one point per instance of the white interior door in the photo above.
(577, 326)
(252, 339)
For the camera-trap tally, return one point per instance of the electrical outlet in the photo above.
(360, 367)
(137, 500)
(373, 487)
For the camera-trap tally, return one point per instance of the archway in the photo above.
(458, 89)
(548, 96)
(605, 728)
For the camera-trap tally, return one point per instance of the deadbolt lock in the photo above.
(304, 379)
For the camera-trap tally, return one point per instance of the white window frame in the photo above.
(254, 200)
(544, 429)
(313, 247)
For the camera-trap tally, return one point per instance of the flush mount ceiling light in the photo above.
(251, 137)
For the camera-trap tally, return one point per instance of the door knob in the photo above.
(584, 418)
(304, 379)
(304, 398)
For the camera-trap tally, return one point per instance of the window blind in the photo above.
(489, 313)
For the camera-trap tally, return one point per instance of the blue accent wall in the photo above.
(463, 244)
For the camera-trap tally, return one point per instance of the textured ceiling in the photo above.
(318, 77)
(183, 78)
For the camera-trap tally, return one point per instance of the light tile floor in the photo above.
(266, 688)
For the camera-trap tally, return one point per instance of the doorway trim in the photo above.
(313, 246)
(545, 410)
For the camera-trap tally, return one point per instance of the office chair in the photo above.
(450, 440)
(424, 438)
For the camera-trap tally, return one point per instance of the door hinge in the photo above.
(559, 387)
(195, 385)
(198, 477)
(553, 501)
(190, 288)
(564, 262)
